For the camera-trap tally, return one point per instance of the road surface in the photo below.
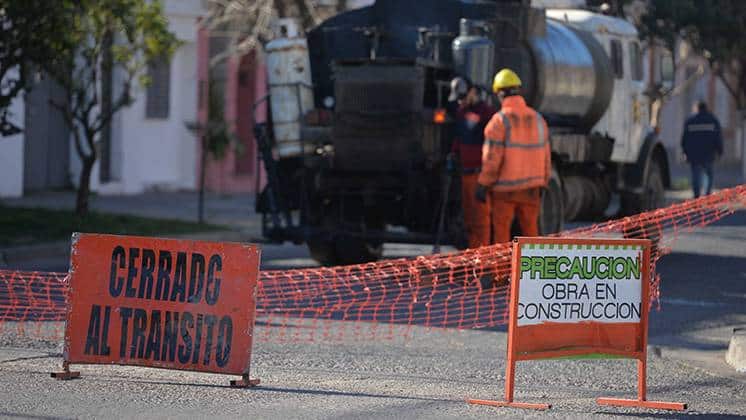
(430, 374)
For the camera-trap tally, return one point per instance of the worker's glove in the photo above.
(481, 193)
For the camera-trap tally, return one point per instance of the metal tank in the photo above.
(289, 79)
(473, 53)
(571, 74)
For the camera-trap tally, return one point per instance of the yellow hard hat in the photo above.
(505, 78)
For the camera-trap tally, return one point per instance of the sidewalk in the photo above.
(726, 176)
(236, 212)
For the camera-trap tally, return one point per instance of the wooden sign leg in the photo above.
(245, 382)
(509, 386)
(641, 400)
(66, 374)
(511, 351)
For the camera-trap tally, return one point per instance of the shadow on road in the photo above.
(702, 297)
(670, 415)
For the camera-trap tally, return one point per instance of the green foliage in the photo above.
(30, 33)
(117, 35)
(110, 42)
(714, 28)
(218, 136)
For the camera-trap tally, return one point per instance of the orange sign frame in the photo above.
(589, 337)
(165, 303)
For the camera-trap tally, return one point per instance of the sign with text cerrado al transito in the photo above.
(165, 303)
(577, 297)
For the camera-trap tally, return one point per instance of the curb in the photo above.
(13, 257)
(18, 255)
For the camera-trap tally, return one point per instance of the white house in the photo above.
(11, 153)
(151, 146)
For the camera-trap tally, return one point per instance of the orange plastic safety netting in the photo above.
(462, 290)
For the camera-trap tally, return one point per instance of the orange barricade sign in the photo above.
(174, 304)
(575, 297)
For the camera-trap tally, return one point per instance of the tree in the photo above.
(715, 29)
(30, 33)
(215, 138)
(112, 43)
(245, 25)
(247, 22)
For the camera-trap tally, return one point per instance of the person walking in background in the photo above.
(516, 161)
(702, 144)
(471, 116)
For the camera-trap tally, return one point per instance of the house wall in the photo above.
(711, 89)
(11, 153)
(158, 154)
(245, 82)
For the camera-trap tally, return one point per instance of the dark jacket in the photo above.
(470, 123)
(701, 140)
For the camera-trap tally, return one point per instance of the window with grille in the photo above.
(159, 90)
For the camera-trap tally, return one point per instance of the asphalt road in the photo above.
(430, 374)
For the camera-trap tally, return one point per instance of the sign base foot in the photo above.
(513, 404)
(245, 382)
(66, 374)
(659, 405)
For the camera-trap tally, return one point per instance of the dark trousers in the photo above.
(701, 177)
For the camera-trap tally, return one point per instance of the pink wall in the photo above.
(246, 82)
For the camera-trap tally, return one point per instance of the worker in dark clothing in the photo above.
(471, 115)
(702, 144)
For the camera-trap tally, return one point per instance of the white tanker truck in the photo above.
(370, 152)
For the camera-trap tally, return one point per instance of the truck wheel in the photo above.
(344, 250)
(652, 196)
(551, 217)
(322, 252)
(357, 251)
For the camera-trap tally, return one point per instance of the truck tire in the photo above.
(343, 250)
(322, 251)
(652, 196)
(551, 215)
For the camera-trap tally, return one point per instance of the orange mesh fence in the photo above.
(463, 290)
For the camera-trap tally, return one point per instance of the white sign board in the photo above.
(562, 283)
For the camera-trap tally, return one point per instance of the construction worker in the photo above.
(471, 116)
(516, 161)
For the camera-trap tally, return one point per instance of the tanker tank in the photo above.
(570, 75)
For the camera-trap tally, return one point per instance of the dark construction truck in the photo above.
(371, 164)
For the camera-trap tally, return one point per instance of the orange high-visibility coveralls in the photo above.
(516, 165)
(471, 120)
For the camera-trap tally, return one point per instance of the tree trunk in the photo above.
(84, 187)
(107, 65)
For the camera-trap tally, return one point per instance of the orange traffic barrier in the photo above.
(462, 290)
(574, 297)
(163, 303)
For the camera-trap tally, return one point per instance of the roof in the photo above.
(593, 22)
